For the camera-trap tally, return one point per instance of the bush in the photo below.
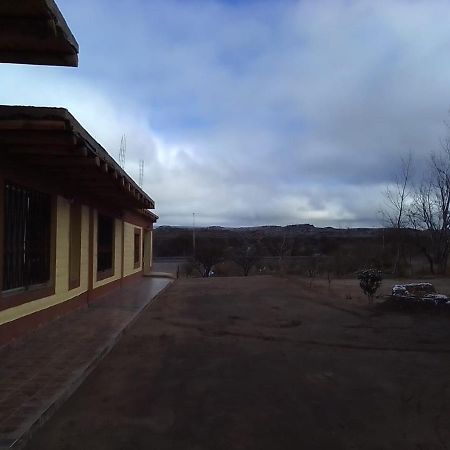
(370, 281)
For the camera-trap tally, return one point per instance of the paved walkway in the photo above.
(42, 369)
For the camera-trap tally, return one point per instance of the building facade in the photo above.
(73, 224)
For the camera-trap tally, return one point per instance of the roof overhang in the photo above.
(52, 141)
(35, 32)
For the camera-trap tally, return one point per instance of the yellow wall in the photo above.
(128, 258)
(117, 253)
(62, 292)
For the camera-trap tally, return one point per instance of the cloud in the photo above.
(255, 112)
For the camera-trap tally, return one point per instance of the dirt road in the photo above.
(264, 363)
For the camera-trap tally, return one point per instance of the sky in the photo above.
(255, 112)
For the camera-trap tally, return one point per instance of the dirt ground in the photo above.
(265, 363)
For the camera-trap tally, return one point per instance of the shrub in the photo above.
(370, 281)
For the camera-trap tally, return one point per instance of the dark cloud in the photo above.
(255, 112)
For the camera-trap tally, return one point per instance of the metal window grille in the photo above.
(137, 246)
(105, 242)
(26, 237)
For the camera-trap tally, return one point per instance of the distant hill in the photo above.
(272, 230)
(301, 238)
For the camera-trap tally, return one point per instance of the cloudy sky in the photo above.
(255, 112)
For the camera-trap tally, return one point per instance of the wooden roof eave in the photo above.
(54, 143)
(35, 32)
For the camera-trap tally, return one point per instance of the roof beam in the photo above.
(33, 138)
(66, 162)
(28, 124)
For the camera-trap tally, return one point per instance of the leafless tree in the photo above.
(278, 247)
(431, 210)
(425, 208)
(397, 211)
(208, 253)
(246, 256)
(311, 269)
(398, 196)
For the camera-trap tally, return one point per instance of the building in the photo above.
(35, 32)
(73, 224)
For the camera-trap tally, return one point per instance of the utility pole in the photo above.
(141, 173)
(193, 235)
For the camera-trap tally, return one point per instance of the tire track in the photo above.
(217, 333)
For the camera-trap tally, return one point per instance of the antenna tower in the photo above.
(123, 151)
(141, 172)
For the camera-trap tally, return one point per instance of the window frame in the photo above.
(19, 296)
(29, 229)
(137, 249)
(108, 272)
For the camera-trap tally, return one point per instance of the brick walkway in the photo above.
(41, 370)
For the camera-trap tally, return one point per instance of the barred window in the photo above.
(137, 248)
(105, 244)
(27, 228)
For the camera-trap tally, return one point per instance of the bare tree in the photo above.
(284, 248)
(208, 253)
(397, 211)
(431, 212)
(278, 247)
(397, 196)
(246, 256)
(425, 208)
(311, 269)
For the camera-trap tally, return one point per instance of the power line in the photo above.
(193, 234)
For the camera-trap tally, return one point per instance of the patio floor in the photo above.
(41, 370)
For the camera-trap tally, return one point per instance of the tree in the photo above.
(278, 247)
(369, 281)
(425, 208)
(326, 267)
(311, 269)
(397, 209)
(431, 210)
(245, 256)
(208, 253)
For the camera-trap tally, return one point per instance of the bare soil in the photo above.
(265, 363)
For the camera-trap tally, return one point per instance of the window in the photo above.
(137, 248)
(27, 244)
(74, 245)
(105, 246)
